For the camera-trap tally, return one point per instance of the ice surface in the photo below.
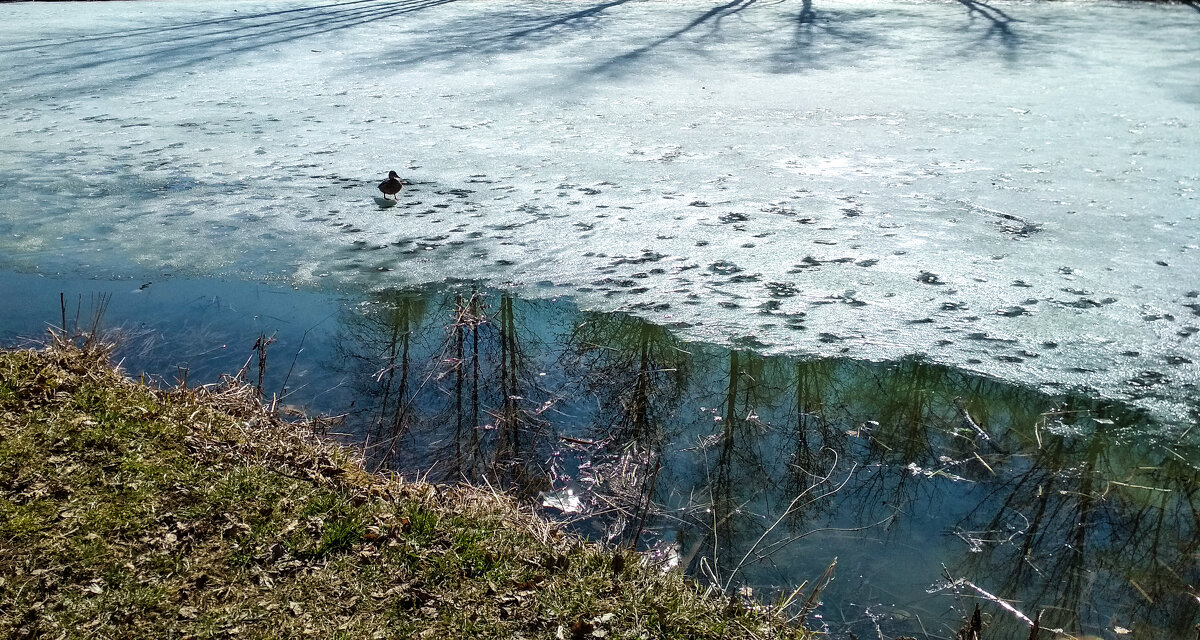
(1007, 187)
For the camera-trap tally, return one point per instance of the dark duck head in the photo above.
(392, 185)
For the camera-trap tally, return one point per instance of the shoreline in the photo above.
(196, 512)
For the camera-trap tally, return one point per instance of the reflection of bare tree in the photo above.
(466, 397)
(488, 425)
(636, 372)
(907, 398)
(879, 417)
(517, 421)
(463, 459)
(917, 425)
(742, 481)
(724, 502)
(1093, 531)
(1056, 507)
(381, 333)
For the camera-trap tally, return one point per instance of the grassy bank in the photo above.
(127, 511)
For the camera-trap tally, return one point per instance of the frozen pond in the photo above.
(1005, 187)
(1007, 190)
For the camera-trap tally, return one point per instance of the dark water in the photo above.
(932, 488)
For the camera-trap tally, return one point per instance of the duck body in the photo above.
(391, 186)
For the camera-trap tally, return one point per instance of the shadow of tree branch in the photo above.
(140, 54)
(493, 33)
(1000, 26)
(714, 16)
(825, 38)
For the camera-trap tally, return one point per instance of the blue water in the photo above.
(925, 483)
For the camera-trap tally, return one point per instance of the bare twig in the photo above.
(818, 587)
(1033, 631)
(791, 509)
(649, 497)
(989, 597)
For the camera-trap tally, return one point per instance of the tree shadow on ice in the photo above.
(820, 37)
(81, 64)
(999, 27)
(520, 31)
(826, 38)
(493, 33)
(235, 21)
(711, 19)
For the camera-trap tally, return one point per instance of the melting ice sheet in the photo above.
(1008, 187)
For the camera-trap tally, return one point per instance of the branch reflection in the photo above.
(934, 488)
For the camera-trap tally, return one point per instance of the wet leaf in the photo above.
(529, 585)
(582, 628)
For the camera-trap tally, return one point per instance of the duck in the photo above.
(391, 186)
